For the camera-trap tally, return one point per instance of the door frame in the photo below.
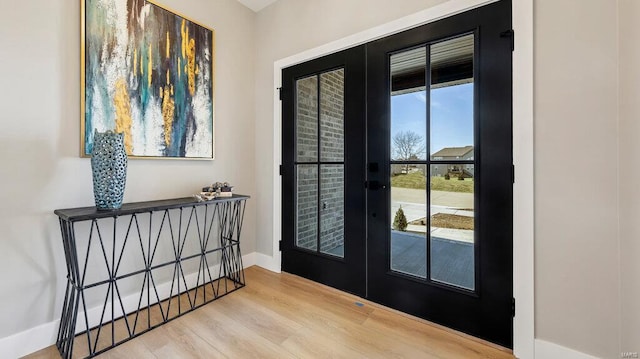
(523, 200)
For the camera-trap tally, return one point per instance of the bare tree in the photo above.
(407, 145)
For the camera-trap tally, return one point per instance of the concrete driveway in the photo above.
(413, 202)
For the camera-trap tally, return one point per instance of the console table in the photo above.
(136, 268)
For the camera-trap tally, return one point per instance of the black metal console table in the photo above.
(172, 257)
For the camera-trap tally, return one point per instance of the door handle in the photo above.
(375, 185)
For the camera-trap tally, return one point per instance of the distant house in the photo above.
(449, 154)
(397, 169)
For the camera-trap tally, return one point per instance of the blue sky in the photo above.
(451, 115)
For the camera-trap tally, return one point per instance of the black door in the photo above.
(440, 137)
(431, 235)
(323, 170)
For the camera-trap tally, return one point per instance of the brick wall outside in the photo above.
(307, 119)
(332, 150)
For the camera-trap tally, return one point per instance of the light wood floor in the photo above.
(284, 316)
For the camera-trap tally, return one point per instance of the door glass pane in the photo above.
(452, 224)
(332, 209)
(408, 105)
(451, 97)
(307, 212)
(332, 116)
(307, 119)
(409, 219)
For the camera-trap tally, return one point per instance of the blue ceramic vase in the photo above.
(109, 166)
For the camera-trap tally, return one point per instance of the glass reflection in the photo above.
(408, 219)
(307, 211)
(451, 98)
(307, 119)
(332, 210)
(408, 105)
(452, 224)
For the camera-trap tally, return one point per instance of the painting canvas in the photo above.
(147, 72)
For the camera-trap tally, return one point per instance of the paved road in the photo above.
(438, 198)
(413, 202)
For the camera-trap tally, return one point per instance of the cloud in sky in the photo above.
(422, 97)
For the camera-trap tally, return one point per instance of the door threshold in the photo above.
(364, 301)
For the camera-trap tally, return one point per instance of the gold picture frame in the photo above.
(149, 72)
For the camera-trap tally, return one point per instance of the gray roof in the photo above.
(453, 151)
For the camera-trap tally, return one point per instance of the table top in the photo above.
(88, 213)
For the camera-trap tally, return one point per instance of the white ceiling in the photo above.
(256, 5)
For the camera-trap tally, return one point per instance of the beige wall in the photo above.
(576, 197)
(629, 150)
(40, 168)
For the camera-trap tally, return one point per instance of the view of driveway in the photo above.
(452, 249)
(451, 261)
(413, 202)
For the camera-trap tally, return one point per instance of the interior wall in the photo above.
(629, 151)
(576, 175)
(39, 143)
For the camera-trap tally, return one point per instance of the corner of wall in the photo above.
(549, 350)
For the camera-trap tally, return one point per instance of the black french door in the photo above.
(323, 161)
(452, 263)
(410, 205)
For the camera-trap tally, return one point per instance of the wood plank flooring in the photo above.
(284, 316)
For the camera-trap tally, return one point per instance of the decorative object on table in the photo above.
(217, 189)
(109, 167)
(204, 196)
(224, 190)
(148, 73)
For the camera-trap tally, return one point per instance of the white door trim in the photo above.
(523, 230)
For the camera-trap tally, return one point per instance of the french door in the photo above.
(411, 205)
(323, 197)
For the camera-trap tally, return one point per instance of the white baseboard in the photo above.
(267, 262)
(249, 260)
(548, 350)
(42, 336)
(29, 341)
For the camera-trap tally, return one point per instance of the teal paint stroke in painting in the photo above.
(126, 42)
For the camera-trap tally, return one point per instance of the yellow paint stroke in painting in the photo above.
(197, 70)
(135, 59)
(141, 68)
(122, 106)
(179, 69)
(168, 44)
(161, 92)
(150, 65)
(171, 90)
(168, 80)
(186, 40)
(191, 65)
(168, 111)
(183, 37)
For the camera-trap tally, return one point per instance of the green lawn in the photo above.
(419, 181)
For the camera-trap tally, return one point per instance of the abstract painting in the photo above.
(147, 72)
